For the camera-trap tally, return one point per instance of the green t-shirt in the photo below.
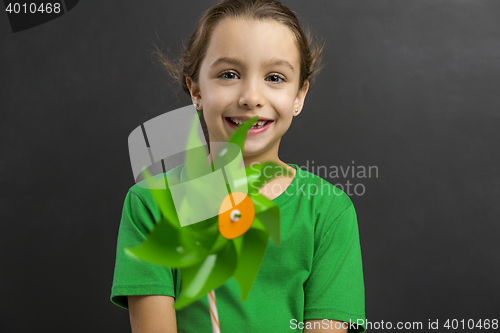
(315, 273)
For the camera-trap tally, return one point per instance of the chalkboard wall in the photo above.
(409, 88)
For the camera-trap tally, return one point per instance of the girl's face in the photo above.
(251, 68)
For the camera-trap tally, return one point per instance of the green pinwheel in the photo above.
(232, 241)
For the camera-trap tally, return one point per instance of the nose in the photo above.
(251, 95)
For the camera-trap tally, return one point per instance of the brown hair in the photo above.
(189, 62)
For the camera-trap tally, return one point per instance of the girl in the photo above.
(251, 58)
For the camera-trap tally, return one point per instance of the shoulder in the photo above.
(331, 209)
(140, 192)
(321, 193)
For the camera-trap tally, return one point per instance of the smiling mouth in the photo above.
(239, 122)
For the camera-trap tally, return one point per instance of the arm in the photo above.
(332, 326)
(335, 288)
(152, 314)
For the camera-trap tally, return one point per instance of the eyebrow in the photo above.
(235, 61)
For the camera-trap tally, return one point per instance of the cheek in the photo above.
(211, 107)
(284, 104)
(216, 96)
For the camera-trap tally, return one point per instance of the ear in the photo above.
(299, 99)
(194, 89)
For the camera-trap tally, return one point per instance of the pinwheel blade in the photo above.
(161, 192)
(211, 273)
(233, 168)
(199, 199)
(238, 137)
(196, 158)
(269, 214)
(168, 246)
(219, 244)
(205, 232)
(250, 254)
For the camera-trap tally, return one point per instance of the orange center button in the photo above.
(235, 219)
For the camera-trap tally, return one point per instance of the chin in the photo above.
(252, 153)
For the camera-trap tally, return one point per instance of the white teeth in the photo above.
(239, 122)
(236, 121)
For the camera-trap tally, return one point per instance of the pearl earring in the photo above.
(296, 110)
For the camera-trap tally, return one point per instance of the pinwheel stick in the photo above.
(213, 312)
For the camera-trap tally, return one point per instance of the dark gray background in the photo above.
(411, 87)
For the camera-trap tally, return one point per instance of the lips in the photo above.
(253, 130)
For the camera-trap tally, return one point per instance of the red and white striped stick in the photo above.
(213, 312)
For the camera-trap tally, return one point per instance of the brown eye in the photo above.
(275, 78)
(228, 75)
